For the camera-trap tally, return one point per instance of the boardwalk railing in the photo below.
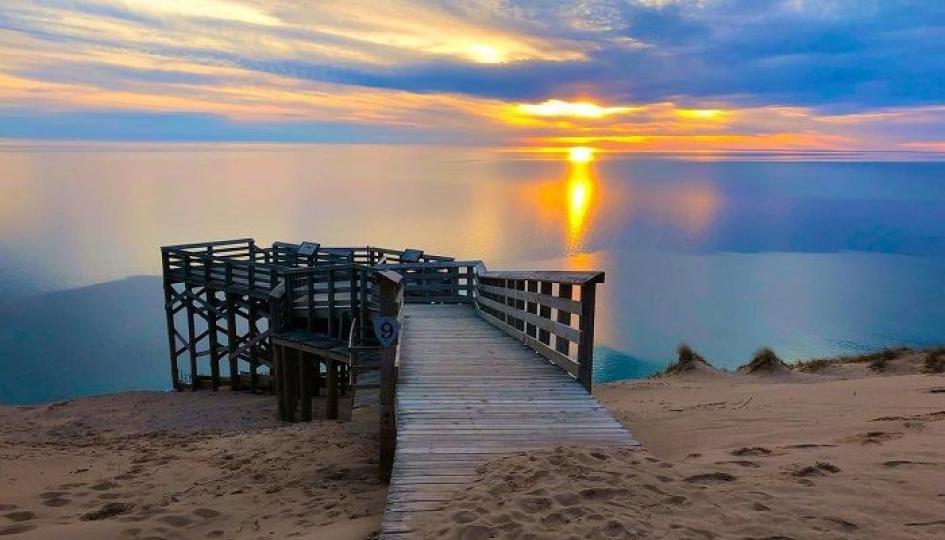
(391, 287)
(329, 297)
(232, 287)
(550, 312)
(446, 282)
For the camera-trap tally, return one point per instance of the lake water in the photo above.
(810, 257)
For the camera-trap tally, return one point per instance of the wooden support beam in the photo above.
(171, 335)
(278, 356)
(252, 332)
(210, 316)
(585, 352)
(332, 391)
(191, 336)
(305, 386)
(232, 341)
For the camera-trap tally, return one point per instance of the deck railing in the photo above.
(391, 293)
(329, 297)
(446, 282)
(329, 289)
(344, 292)
(550, 312)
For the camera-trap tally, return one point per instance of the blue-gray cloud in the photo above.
(193, 127)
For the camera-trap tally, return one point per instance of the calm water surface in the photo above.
(810, 258)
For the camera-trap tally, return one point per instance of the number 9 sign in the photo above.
(386, 330)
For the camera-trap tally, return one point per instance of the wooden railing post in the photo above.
(169, 316)
(585, 352)
(390, 294)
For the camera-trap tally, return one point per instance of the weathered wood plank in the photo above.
(466, 393)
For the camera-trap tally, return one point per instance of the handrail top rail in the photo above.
(429, 264)
(319, 267)
(214, 243)
(557, 276)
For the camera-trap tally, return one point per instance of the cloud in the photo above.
(838, 73)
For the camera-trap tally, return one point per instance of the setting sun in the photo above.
(573, 109)
(580, 154)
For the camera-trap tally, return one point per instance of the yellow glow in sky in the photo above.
(573, 109)
(700, 114)
(486, 54)
(209, 9)
(580, 154)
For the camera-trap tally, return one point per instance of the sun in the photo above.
(580, 154)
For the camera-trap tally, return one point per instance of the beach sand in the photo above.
(846, 453)
(843, 452)
(152, 465)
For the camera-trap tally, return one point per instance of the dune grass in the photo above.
(878, 361)
(934, 361)
(765, 360)
(686, 360)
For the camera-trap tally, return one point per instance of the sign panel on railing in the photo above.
(386, 330)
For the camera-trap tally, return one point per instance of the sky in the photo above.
(632, 75)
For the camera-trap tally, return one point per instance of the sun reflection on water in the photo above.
(579, 196)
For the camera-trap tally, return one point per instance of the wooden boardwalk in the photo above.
(486, 363)
(468, 392)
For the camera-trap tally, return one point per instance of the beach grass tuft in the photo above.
(878, 361)
(686, 360)
(764, 361)
(934, 361)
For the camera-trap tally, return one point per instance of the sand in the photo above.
(844, 454)
(152, 465)
(840, 452)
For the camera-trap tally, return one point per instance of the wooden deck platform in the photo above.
(468, 392)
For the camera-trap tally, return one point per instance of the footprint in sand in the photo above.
(751, 451)
(602, 494)
(176, 520)
(534, 505)
(830, 523)
(206, 513)
(104, 486)
(902, 462)
(17, 529)
(23, 515)
(820, 469)
(709, 478)
(873, 437)
(477, 532)
(56, 502)
(465, 517)
(109, 510)
(740, 463)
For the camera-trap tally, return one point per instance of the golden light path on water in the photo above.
(580, 196)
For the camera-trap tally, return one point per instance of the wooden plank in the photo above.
(467, 393)
(559, 328)
(573, 278)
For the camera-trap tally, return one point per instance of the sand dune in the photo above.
(847, 451)
(731, 456)
(178, 466)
